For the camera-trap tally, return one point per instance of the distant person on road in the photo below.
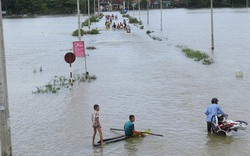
(129, 127)
(96, 124)
(213, 110)
(114, 25)
(124, 23)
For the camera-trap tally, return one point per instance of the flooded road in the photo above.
(153, 80)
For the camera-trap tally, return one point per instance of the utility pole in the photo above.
(89, 14)
(212, 27)
(79, 33)
(79, 21)
(94, 7)
(161, 14)
(147, 12)
(139, 10)
(5, 133)
(98, 3)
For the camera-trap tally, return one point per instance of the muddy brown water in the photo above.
(153, 80)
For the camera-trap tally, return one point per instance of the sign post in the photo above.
(78, 48)
(70, 58)
(79, 51)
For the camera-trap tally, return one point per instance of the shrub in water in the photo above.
(93, 31)
(133, 20)
(75, 33)
(198, 56)
(57, 83)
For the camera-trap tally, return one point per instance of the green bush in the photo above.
(62, 82)
(92, 19)
(75, 33)
(198, 56)
(208, 61)
(85, 23)
(83, 32)
(93, 32)
(100, 16)
(149, 32)
(126, 15)
(133, 20)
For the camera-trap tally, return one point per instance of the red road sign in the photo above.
(70, 57)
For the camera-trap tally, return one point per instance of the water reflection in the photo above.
(214, 139)
(98, 151)
(137, 75)
(131, 145)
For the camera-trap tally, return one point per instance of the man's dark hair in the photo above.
(214, 100)
(131, 116)
(96, 106)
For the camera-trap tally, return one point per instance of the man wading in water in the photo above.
(213, 110)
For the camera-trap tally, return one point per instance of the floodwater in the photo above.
(151, 79)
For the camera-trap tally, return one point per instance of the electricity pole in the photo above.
(212, 27)
(139, 10)
(147, 12)
(5, 134)
(161, 13)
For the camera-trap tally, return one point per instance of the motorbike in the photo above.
(221, 125)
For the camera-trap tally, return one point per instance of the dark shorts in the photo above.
(209, 126)
(95, 125)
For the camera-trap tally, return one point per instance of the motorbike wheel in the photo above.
(243, 123)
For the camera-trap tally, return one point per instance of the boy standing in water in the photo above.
(96, 124)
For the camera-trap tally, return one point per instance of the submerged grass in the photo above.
(133, 20)
(84, 32)
(198, 56)
(92, 19)
(62, 82)
(149, 32)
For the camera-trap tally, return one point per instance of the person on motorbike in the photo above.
(213, 110)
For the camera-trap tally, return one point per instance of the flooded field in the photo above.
(166, 91)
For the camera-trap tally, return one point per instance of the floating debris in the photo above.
(239, 74)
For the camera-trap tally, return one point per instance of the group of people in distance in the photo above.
(109, 19)
(115, 25)
(212, 110)
(129, 128)
(120, 25)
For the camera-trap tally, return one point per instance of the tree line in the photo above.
(216, 3)
(45, 7)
